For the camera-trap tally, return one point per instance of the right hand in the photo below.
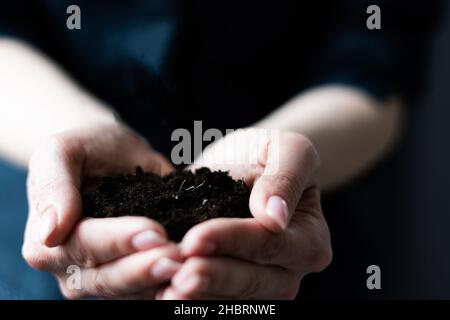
(118, 257)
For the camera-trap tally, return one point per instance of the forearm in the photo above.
(350, 130)
(38, 99)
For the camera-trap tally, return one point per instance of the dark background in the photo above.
(428, 153)
(397, 217)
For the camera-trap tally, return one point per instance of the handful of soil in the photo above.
(178, 201)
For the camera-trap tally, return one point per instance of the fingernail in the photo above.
(48, 224)
(193, 283)
(164, 268)
(277, 209)
(147, 240)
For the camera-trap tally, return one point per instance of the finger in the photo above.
(157, 163)
(245, 239)
(290, 167)
(53, 189)
(305, 244)
(96, 241)
(135, 273)
(234, 279)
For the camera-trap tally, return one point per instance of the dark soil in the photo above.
(178, 201)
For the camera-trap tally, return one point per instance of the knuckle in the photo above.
(298, 139)
(34, 258)
(289, 182)
(76, 252)
(305, 145)
(313, 157)
(321, 258)
(70, 148)
(310, 151)
(100, 287)
(271, 247)
(235, 246)
(56, 144)
(82, 258)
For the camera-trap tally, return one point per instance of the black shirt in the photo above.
(163, 64)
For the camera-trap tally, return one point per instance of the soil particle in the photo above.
(178, 201)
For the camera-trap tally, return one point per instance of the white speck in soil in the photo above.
(200, 184)
(179, 189)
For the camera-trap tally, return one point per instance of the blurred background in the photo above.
(409, 239)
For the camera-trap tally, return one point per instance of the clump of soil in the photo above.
(178, 201)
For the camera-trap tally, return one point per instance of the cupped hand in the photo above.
(265, 257)
(118, 257)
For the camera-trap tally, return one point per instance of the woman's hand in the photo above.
(265, 257)
(114, 254)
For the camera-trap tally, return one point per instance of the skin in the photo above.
(266, 257)
(350, 129)
(118, 256)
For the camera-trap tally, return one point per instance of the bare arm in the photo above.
(349, 128)
(80, 138)
(38, 99)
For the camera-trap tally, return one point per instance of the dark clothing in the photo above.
(163, 64)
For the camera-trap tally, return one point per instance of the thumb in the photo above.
(53, 184)
(290, 167)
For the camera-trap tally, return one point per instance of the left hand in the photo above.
(265, 257)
